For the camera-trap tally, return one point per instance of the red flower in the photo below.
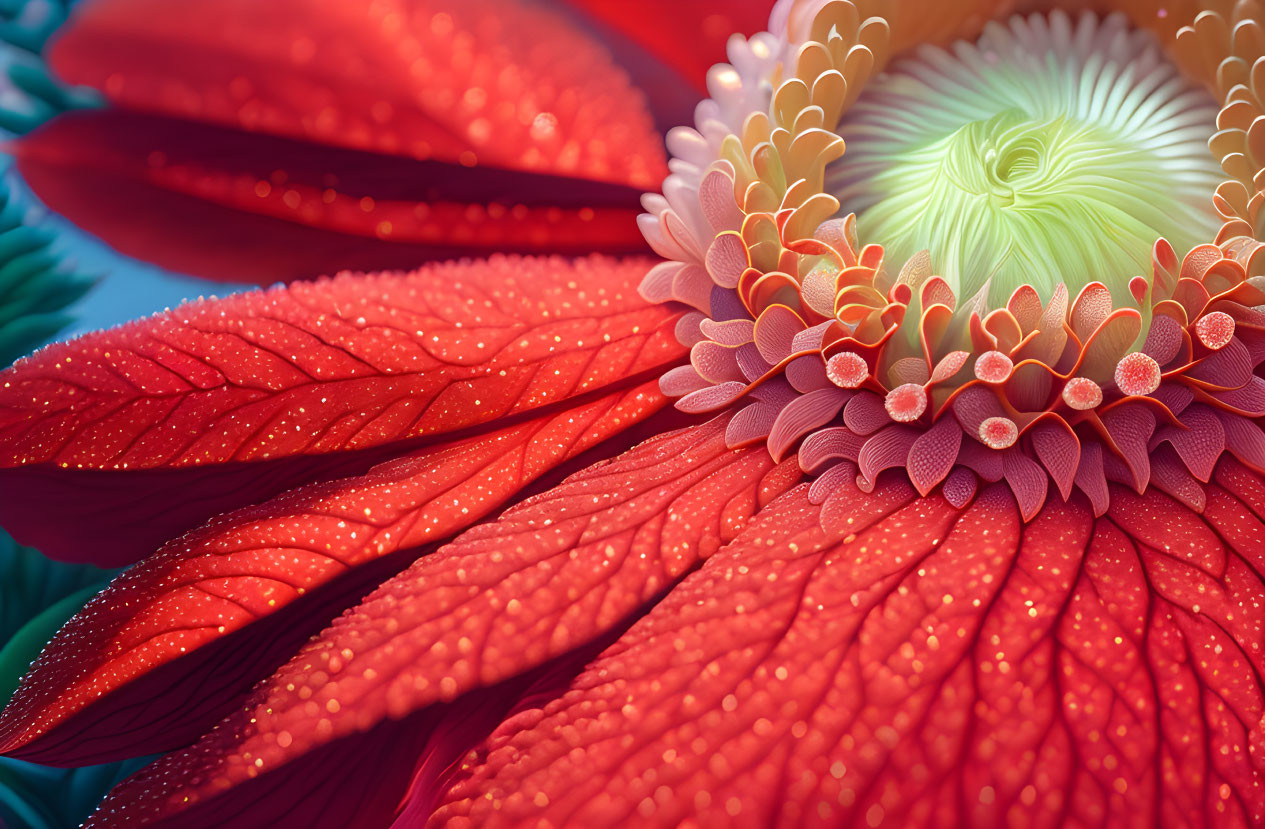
(946, 553)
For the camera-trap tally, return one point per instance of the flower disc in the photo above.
(1048, 151)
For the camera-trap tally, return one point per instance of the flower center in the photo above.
(1048, 152)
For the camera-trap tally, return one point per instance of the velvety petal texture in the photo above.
(919, 666)
(546, 579)
(220, 403)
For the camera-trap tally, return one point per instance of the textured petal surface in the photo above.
(290, 127)
(548, 577)
(930, 667)
(221, 403)
(164, 652)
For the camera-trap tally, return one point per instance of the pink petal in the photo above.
(775, 330)
(932, 455)
(864, 413)
(1199, 444)
(802, 415)
(1059, 451)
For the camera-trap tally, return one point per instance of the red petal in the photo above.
(929, 668)
(172, 192)
(514, 83)
(318, 135)
(548, 577)
(689, 37)
(153, 650)
(260, 392)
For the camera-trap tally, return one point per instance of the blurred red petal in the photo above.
(548, 578)
(244, 207)
(689, 37)
(929, 668)
(514, 83)
(264, 391)
(271, 141)
(145, 666)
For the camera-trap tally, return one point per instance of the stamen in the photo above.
(847, 370)
(1037, 155)
(1137, 374)
(1039, 166)
(1082, 394)
(993, 367)
(1215, 330)
(906, 403)
(998, 432)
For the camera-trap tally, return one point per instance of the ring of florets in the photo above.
(859, 365)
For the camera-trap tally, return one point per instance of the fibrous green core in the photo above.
(1049, 151)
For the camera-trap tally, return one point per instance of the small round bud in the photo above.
(1082, 394)
(1137, 374)
(906, 403)
(993, 367)
(1215, 330)
(998, 432)
(847, 370)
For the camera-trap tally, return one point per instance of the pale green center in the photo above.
(1050, 151)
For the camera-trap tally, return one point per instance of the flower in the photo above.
(843, 591)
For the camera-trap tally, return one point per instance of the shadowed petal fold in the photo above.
(221, 403)
(545, 580)
(929, 667)
(272, 197)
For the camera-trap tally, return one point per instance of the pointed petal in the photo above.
(549, 576)
(884, 450)
(1028, 481)
(1130, 427)
(930, 668)
(1091, 479)
(1060, 452)
(803, 414)
(152, 650)
(218, 403)
(1199, 443)
(932, 456)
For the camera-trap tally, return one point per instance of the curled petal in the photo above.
(932, 455)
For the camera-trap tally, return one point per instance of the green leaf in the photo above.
(31, 583)
(37, 596)
(20, 651)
